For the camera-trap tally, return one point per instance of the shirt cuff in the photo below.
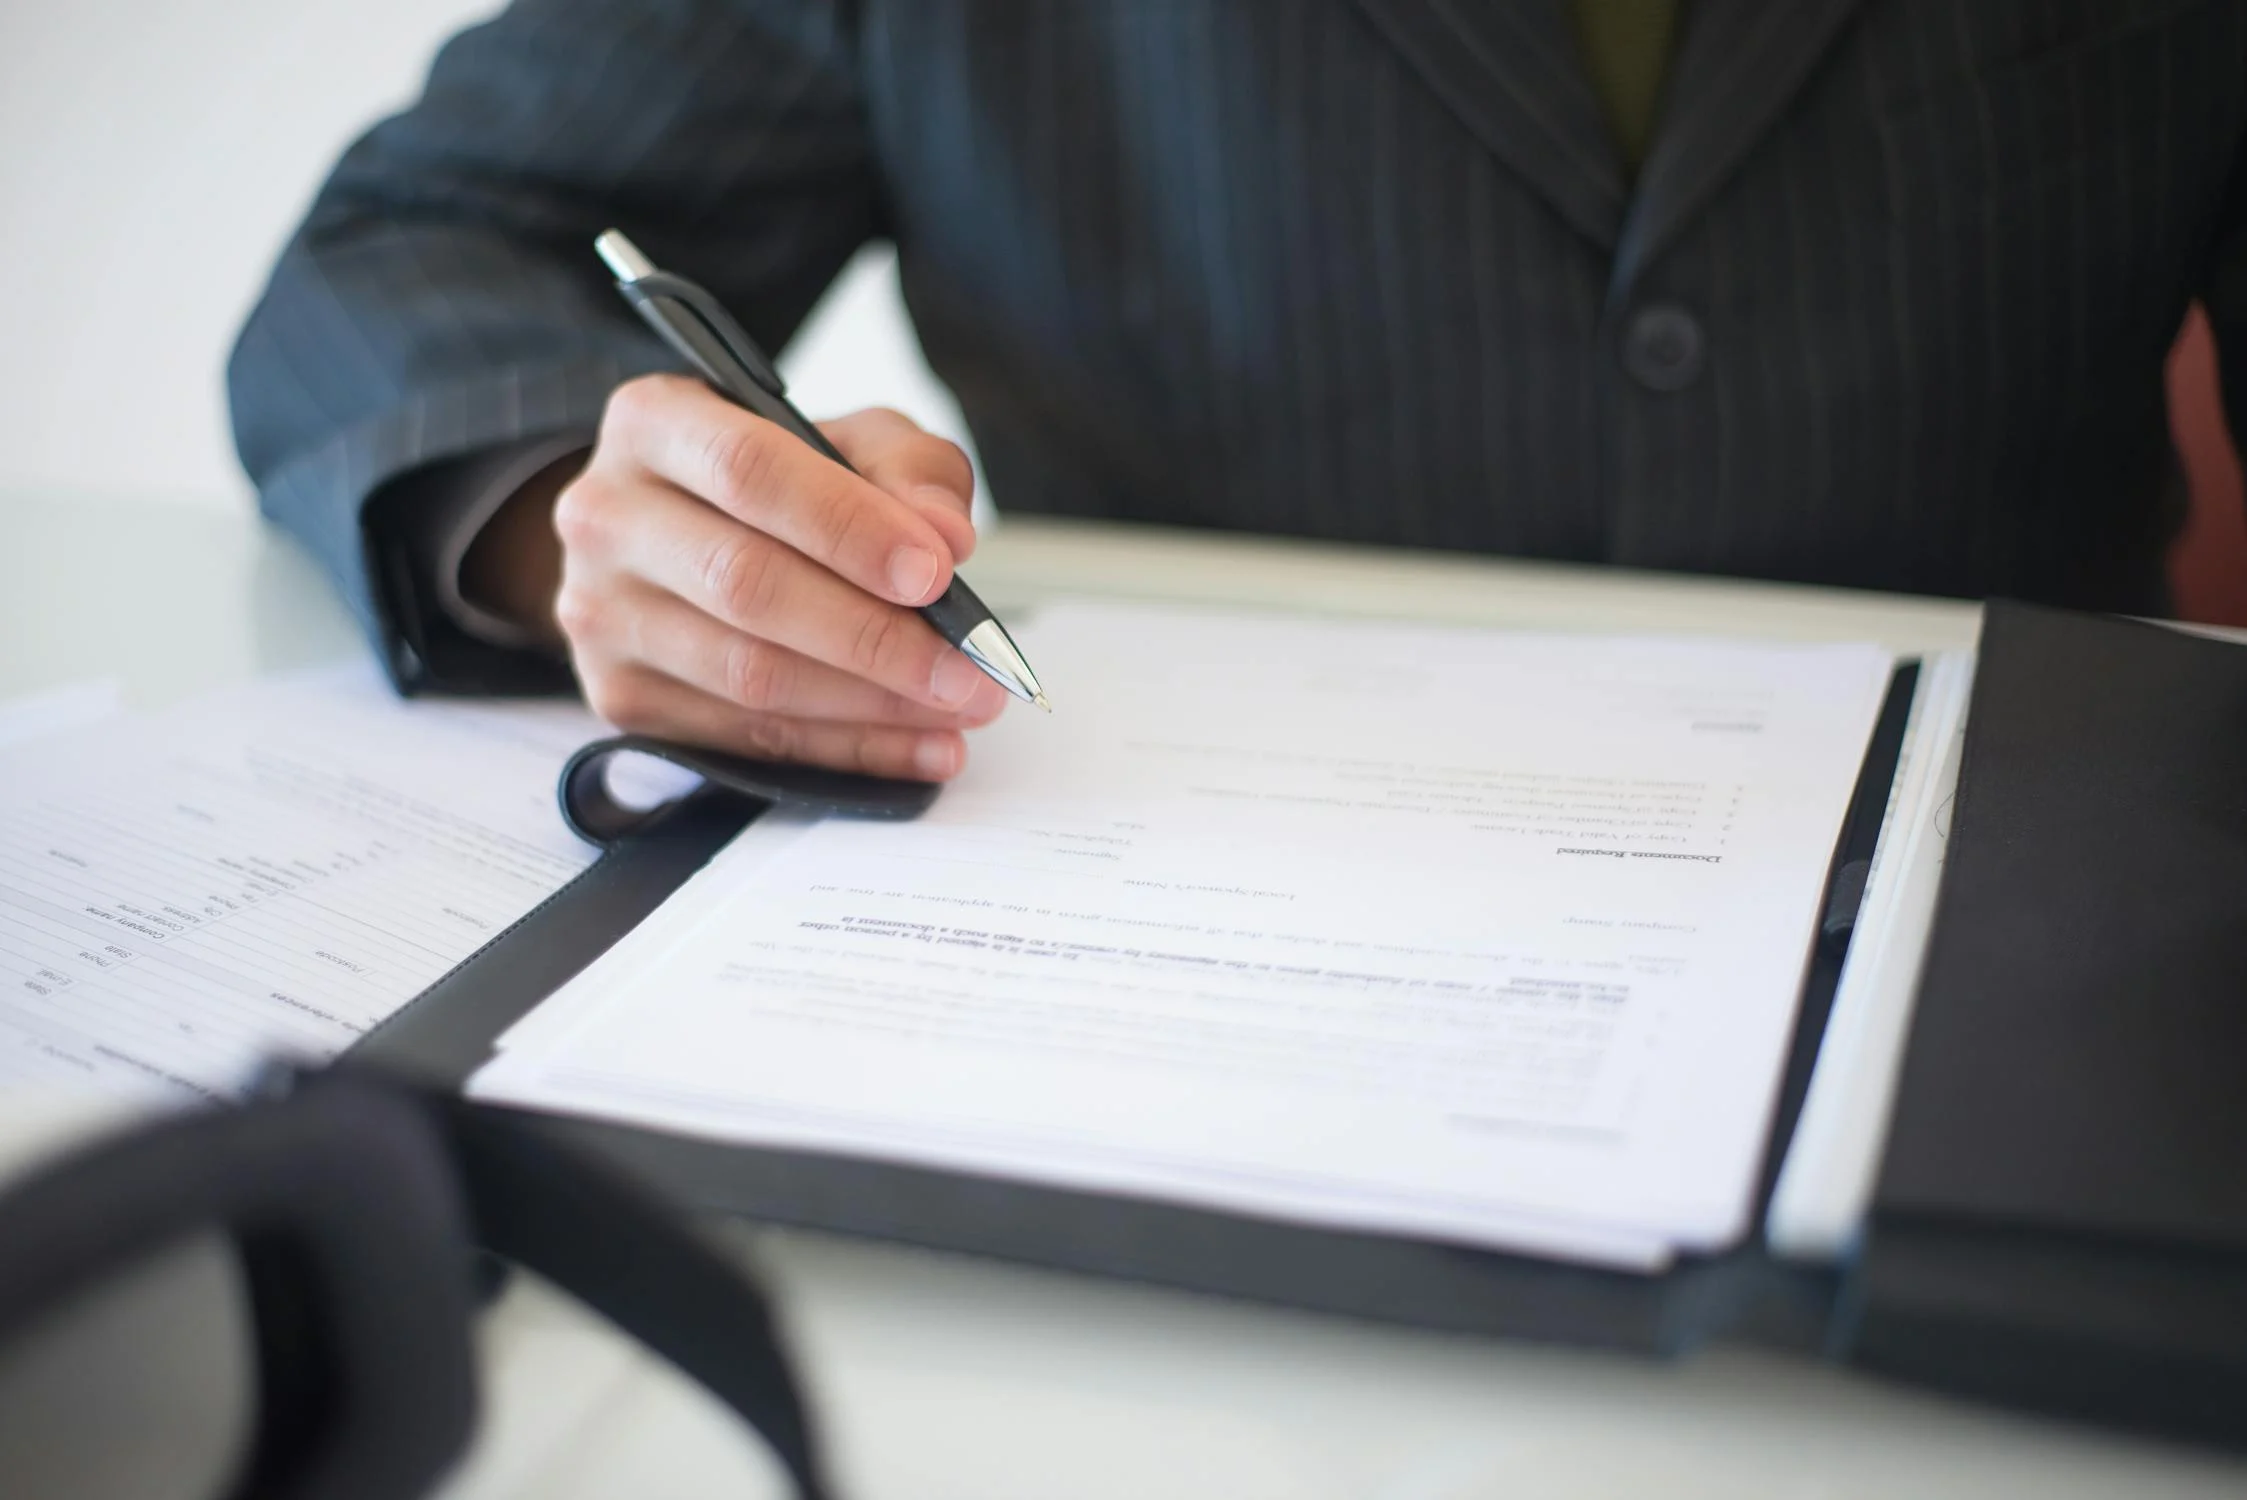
(457, 510)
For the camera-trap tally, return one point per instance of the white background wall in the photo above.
(154, 154)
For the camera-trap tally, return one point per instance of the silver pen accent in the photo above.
(622, 257)
(991, 648)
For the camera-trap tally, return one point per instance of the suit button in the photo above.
(1664, 347)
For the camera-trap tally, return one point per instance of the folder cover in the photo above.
(2061, 1216)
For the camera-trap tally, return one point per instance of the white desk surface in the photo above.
(941, 1377)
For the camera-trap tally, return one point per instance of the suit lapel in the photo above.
(1512, 71)
(1741, 63)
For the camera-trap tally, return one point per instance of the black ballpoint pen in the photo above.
(706, 335)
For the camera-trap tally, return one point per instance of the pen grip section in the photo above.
(956, 612)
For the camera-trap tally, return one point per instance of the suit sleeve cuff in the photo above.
(419, 527)
(461, 501)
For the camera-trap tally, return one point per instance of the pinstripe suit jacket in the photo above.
(1886, 307)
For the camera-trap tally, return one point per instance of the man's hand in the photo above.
(723, 583)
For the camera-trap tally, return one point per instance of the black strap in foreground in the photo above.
(614, 1246)
(352, 1204)
(349, 1231)
(596, 816)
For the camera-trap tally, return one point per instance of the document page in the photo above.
(276, 868)
(1485, 936)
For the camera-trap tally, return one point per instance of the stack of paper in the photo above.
(1490, 937)
(274, 869)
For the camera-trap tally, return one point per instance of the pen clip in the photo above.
(723, 330)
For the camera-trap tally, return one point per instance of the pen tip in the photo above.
(1040, 701)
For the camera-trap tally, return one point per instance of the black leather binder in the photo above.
(1989, 1267)
(2062, 1212)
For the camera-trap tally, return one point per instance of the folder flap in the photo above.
(2076, 1060)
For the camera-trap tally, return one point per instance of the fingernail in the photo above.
(911, 571)
(936, 756)
(955, 679)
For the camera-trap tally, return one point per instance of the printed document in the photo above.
(273, 869)
(1490, 937)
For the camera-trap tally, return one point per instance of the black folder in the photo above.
(2061, 1218)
